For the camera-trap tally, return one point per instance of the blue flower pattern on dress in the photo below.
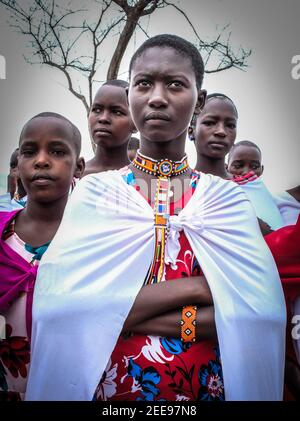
(147, 379)
(211, 380)
(175, 346)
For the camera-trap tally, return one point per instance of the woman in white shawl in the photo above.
(125, 229)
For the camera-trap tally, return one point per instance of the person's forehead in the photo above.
(52, 126)
(161, 60)
(111, 94)
(219, 105)
(245, 152)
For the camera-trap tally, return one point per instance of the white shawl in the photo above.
(288, 206)
(263, 203)
(97, 262)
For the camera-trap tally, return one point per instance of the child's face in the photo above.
(110, 123)
(47, 159)
(245, 159)
(215, 130)
(163, 94)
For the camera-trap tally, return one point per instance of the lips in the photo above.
(102, 130)
(42, 179)
(39, 176)
(218, 144)
(154, 115)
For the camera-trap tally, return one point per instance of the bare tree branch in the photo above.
(133, 14)
(186, 18)
(143, 30)
(56, 34)
(222, 50)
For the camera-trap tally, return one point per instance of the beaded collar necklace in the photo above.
(160, 167)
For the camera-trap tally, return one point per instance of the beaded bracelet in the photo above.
(188, 323)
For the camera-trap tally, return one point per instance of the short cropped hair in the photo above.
(218, 95)
(243, 143)
(116, 82)
(181, 46)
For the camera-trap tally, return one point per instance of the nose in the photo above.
(158, 96)
(42, 160)
(104, 117)
(245, 170)
(220, 130)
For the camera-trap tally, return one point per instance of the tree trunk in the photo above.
(128, 30)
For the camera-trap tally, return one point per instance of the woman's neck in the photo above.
(212, 166)
(173, 150)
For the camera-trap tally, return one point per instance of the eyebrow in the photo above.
(62, 142)
(242, 160)
(27, 143)
(166, 76)
(215, 116)
(115, 105)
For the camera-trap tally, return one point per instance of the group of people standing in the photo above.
(148, 280)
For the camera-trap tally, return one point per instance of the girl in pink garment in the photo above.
(48, 160)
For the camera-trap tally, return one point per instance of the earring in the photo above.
(191, 128)
(191, 134)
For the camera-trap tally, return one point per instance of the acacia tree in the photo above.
(57, 33)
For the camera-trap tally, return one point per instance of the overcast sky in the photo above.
(266, 95)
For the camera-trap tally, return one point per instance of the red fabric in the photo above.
(192, 374)
(243, 179)
(285, 247)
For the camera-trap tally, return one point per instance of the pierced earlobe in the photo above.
(191, 133)
(191, 128)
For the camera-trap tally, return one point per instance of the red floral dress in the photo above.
(152, 368)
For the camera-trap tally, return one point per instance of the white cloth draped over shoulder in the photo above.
(263, 203)
(288, 206)
(97, 262)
